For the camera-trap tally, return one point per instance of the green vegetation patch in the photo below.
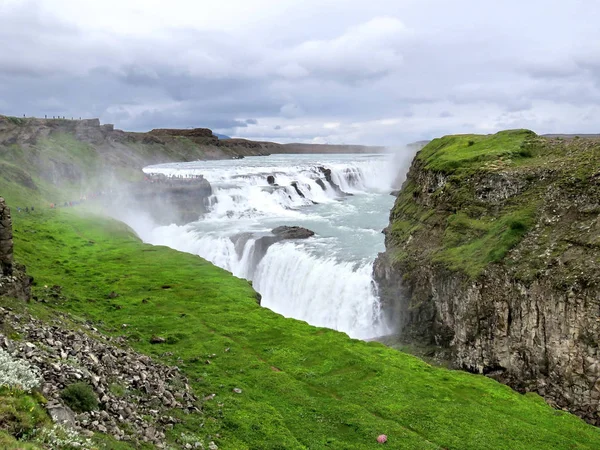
(15, 120)
(21, 413)
(470, 244)
(449, 153)
(267, 382)
(60, 145)
(80, 397)
(17, 184)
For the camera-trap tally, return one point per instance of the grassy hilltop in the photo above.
(486, 194)
(302, 387)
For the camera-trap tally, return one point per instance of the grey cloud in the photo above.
(423, 70)
(291, 110)
(553, 70)
(140, 76)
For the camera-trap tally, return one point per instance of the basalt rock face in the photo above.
(170, 199)
(495, 263)
(14, 282)
(6, 240)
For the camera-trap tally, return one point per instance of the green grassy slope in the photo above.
(57, 168)
(461, 152)
(302, 387)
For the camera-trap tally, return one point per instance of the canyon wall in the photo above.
(492, 261)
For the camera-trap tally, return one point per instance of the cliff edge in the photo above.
(493, 259)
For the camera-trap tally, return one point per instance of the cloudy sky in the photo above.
(381, 72)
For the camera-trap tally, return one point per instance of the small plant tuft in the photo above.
(80, 397)
(118, 389)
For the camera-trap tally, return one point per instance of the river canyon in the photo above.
(326, 279)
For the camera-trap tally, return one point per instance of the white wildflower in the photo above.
(61, 437)
(18, 373)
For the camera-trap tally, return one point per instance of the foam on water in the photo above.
(325, 280)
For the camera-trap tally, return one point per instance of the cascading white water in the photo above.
(324, 292)
(325, 280)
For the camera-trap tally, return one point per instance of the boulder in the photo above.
(271, 180)
(287, 232)
(62, 415)
(157, 340)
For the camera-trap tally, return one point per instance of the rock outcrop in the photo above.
(494, 263)
(263, 242)
(193, 132)
(14, 281)
(294, 184)
(6, 240)
(287, 232)
(278, 234)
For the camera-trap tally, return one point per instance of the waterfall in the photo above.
(325, 280)
(322, 291)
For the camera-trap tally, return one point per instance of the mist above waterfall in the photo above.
(326, 279)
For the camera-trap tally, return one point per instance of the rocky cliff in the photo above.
(6, 240)
(493, 259)
(168, 199)
(14, 282)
